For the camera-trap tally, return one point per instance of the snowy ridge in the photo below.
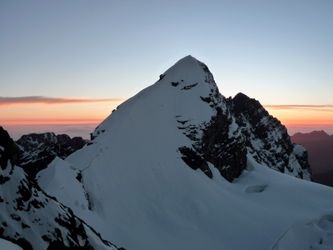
(32, 219)
(179, 166)
(35, 221)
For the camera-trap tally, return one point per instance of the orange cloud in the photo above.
(50, 121)
(46, 110)
(52, 100)
(290, 115)
(322, 107)
(50, 110)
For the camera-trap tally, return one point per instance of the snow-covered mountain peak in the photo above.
(186, 91)
(184, 107)
(187, 62)
(178, 166)
(188, 73)
(187, 69)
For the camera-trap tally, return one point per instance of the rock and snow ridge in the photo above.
(179, 166)
(32, 219)
(222, 131)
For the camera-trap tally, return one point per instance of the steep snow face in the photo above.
(178, 166)
(177, 93)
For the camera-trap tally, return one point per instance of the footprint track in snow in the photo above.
(255, 188)
(316, 235)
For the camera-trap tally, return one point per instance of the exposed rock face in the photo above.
(211, 141)
(267, 139)
(228, 155)
(239, 126)
(9, 152)
(32, 219)
(38, 150)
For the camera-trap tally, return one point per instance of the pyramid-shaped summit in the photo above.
(219, 131)
(188, 69)
(179, 166)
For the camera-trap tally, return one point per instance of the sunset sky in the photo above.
(69, 63)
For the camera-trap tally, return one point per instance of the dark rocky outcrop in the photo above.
(265, 136)
(38, 150)
(194, 160)
(241, 127)
(226, 154)
(9, 152)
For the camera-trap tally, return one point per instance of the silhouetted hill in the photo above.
(320, 148)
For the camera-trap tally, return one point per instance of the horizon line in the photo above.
(97, 120)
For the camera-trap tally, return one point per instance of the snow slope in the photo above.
(33, 220)
(7, 245)
(140, 193)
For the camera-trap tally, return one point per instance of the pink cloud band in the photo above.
(52, 100)
(320, 107)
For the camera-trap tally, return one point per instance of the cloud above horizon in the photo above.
(52, 100)
(318, 107)
(19, 100)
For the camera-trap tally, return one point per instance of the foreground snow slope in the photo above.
(33, 220)
(141, 194)
(7, 245)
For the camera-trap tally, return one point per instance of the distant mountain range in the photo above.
(320, 150)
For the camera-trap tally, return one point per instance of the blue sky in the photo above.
(279, 52)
